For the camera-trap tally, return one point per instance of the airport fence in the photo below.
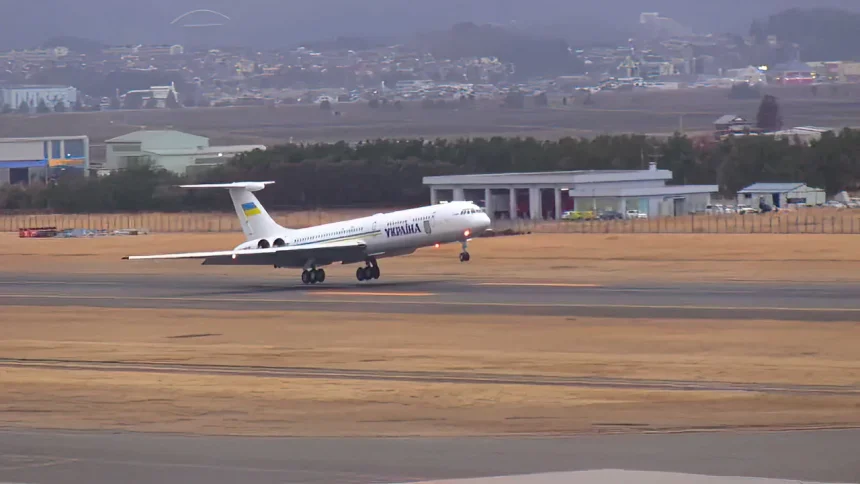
(810, 221)
(170, 222)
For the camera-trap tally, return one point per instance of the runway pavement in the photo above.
(92, 458)
(413, 295)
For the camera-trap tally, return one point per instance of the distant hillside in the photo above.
(77, 44)
(822, 33)
(279, 23)
(531, 54)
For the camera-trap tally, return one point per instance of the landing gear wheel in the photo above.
(359, 274)
(374, 271)
(464, 257)
(320, 276)
(306, 277)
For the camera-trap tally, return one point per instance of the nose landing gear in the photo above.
(464, 256)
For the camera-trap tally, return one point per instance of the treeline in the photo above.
(822, 33)
(390, 172)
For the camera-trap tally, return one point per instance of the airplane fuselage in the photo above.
(389, 234)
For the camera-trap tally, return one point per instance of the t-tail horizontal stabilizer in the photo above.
(250, 186)
(255, 221)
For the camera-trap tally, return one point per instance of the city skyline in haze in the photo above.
(279, 23)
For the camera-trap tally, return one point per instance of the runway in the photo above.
(819, 303)
(83, 458)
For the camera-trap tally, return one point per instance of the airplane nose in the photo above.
(484, 221)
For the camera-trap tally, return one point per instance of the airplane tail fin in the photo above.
(255, 221)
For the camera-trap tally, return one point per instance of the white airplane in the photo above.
(352, 241)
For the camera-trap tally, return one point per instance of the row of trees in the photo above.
(42, 107)
(390, 172)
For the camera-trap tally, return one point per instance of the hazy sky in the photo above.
(284, 22)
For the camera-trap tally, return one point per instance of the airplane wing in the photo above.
(288, 256)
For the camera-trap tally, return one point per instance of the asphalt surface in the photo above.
(709, 301)
(614, 476)
(87, 458)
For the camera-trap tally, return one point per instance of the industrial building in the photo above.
(13, 96)
(550, 194)
(801, 134)
(781, 194)
(23, 160)
(157, 95)
(172, 150)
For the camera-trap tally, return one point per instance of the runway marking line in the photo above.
(72, 298)
(537, 284)
(363, 293)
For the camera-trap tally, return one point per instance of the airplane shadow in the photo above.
(357, 287)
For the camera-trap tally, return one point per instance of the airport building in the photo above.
(32, 95)
(550, 194)
(781, 194)
(25, 160)
(172, 150)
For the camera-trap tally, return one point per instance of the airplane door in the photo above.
(429, 225)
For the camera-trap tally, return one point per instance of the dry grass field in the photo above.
(540, 257)
(208, 404)
(251, 406)
(755, 351)
(641, 112)
(702, 350)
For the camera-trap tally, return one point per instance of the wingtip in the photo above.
(125, 258)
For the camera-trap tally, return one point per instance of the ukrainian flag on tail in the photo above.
(250, 209)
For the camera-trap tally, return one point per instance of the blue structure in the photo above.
(26, 160)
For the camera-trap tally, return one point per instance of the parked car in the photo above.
(578, 215)
(631, 214)
(610, 215)
(744, 209)
(713, 209)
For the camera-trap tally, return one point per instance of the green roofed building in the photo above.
(172, 150)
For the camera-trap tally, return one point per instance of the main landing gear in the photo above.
(313, 276)
(464, 256)
(369, 271)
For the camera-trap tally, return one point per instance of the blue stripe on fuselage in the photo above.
(338, 238)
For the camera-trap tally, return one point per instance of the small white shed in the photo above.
(781, 194)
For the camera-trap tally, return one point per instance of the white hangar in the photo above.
(549, 194)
